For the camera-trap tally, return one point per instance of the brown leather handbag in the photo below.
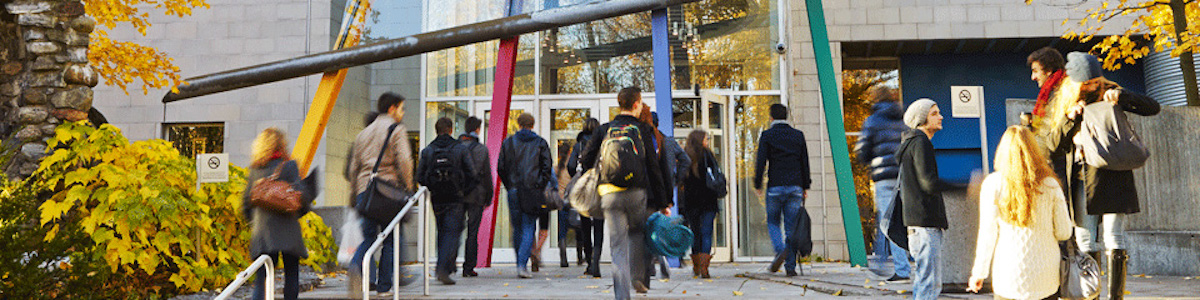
(274, 194)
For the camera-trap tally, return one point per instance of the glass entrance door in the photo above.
(564, 120)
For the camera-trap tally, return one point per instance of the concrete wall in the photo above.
(228, 35)
(1164, 239)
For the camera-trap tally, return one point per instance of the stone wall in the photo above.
(1164, 238)
(45, 77)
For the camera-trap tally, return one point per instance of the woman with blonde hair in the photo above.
(1022, 217)
(274, 233)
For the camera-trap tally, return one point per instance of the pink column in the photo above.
(497, 131)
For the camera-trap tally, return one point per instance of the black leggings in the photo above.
(291, 277)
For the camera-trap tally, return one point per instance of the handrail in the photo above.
(263, 260)
(394, 229)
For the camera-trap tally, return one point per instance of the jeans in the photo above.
(524, 227)
(383, 281)
(474, 214)
(926, 246)
(785, 202)
(625, 213)
(702, 226)
(449, 230)
(1112, 226)
(291, 278)
(885, 192)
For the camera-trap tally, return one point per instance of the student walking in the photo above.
(698, 203)
(276, 233)
(479, 197)
(443, 169)
(876, 148)
(394, 166)
(783, 155)
(592, 229)
(1104, 197)
(1022, 216)
(632, 184)
(524, 167)
(921, 195)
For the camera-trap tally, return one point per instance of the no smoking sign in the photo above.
(968, 101)
(213, 167)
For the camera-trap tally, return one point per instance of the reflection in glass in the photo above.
(569, 119)
(512, 122)
(751, 118)
(455, 110)
(685, 114)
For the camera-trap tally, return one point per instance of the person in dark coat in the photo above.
(783, 155)
(924, 211)
(591, 229)
(480, 197)
(525, 168)
(446, 199)
(699, 204)
(876, 148)
(1105, 197)
(273, 233)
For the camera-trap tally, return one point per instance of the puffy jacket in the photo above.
(876, 147)
(524, 161)
(482, 194)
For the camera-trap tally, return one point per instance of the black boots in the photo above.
(1099, 258)
(562, 254)
(1116, 273)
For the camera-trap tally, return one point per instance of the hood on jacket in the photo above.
(468, 137)
(442, 141)
(907, 140)
(525, 136)
(583, 135)
(890, 109)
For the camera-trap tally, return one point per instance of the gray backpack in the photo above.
(1106, 140)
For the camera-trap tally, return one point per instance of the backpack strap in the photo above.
(383, 150)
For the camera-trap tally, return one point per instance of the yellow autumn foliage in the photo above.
(139, 205)
(122, 63)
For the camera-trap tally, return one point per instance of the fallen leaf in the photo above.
(1128, 293)
(685, 291)
(519, 287)
(737, 293)
(606, 291)
(593, 286)
(664, 280)
(708, 280)
(867, 281)
(505, 284)
(866, 286)
(901, 291)
(837, 293)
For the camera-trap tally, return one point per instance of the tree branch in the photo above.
(1117, 11)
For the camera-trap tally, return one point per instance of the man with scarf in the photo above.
(1046, 68)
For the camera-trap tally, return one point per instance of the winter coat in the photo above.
(920, 187)
(876, 147)
(676, 160)
(482, 194)
(581, 141)
(657, 181)
(272, 232)
(525, 161)
(1107, 191)
(785, 150)
(697, 197)
(397, 166)
(460, 158)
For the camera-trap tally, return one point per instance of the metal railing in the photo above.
(262, 261)
(393, 228)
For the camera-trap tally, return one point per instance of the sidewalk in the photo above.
(730, 281)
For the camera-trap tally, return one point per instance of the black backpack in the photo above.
(445, 176)
(620, 161)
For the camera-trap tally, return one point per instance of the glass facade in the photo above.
(568, 74)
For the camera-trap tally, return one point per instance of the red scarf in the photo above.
(277, 155)
(1044, 95)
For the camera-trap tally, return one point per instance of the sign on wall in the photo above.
(966, 101)
(212, 167)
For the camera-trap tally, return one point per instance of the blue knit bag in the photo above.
(666, 236)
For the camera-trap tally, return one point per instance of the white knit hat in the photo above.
(917, 112)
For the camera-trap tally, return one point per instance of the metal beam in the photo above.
(412, 45)
(834, 125)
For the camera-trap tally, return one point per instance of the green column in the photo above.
(837, 133)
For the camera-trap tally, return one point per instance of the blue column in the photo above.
(662, 85)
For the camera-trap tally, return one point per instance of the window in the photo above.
(196, 138)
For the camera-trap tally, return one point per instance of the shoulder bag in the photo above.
(382, 200)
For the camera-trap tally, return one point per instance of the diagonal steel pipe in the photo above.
(412, 45)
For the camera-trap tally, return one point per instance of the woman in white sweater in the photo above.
(1022, 216)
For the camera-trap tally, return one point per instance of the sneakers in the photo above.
(897, 278)
(778, 262)
(640, 287)
(523, 273)
(445, 279)
(791, 273)
(384, 294)
(469, 273)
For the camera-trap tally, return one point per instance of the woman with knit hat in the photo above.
(1101, 197)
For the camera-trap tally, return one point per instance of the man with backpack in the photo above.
(443, 169)
(480, 196)
(783, 154)
(525, 168)
(632, 185)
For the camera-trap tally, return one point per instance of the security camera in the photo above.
(780, 48)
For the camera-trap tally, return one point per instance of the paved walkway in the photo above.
(730, 281)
